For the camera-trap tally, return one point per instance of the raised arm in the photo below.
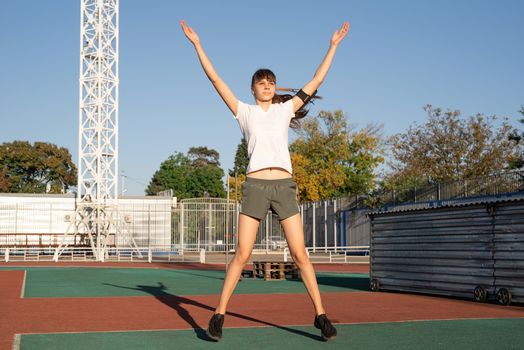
(323, 69)
(223, 90)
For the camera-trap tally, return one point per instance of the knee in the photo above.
(242, 256)
(301, 259)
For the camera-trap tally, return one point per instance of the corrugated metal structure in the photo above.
(508, 251)
(471, 248)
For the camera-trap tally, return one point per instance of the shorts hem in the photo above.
(253, 215)
(287, 216)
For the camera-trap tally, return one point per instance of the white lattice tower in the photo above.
(96, 219)
(98, 115)
(97, 198)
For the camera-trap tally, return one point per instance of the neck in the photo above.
(264, 104)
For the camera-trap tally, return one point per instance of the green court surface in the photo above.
(428, 335)
(97, 282)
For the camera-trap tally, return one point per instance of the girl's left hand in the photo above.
(340, 34)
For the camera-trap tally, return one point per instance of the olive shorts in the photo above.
(258, 196)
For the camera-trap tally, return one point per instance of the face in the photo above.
(264, 90)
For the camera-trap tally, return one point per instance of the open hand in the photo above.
(340, 34)
(190, 33)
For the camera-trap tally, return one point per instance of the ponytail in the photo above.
(302, 112)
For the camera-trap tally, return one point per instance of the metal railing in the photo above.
(84, 254)
(162, 254)
(334, 254)
(494, 184)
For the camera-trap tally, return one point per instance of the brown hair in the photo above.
(270, 76)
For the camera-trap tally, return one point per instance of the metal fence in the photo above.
(494, 184)
(212, 224)
(42, 220)
(159, 223)
(204, 223)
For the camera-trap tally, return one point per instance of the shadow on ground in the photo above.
(352, 282)
(177, 303)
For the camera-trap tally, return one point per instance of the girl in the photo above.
(269, 183)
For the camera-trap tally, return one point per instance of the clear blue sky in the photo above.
(398, 56)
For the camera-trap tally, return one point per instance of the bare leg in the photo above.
(247, 231)
(295, 241)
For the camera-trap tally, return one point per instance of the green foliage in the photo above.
(193, 175)
(203, 156)
(241, 159)
(518, 139)
(4, 182)
(32, 168)
(172, 174)
(448, 147)
(365, 155)
(237, 175)
(329, 160)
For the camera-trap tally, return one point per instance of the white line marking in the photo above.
(281, 326)
(23, 285)
(16, 342)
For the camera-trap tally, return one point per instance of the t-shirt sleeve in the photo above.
(288, 109)
(242, 114)
(242, 111)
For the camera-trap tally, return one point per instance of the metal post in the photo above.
(345, 244)
(149, 226)
(335, 223)
(16, 220)
(325, 226)
(181, 230)
(267, 234)
(227, 223)
(314, 229)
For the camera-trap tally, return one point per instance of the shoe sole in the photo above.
(323, 336)
(215, 338)
(328, 339)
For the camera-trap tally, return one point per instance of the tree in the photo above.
(172, 174)
(203, 156)
(241, 159)
(4, 182)
(237, 175)
(365, 155)
(518, 138)
(448, 147)
(193, 175)
(330, 160)
(36, 168)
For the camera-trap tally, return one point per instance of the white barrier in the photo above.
(162, 254)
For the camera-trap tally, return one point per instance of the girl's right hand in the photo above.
(340, 34)
(190, 33)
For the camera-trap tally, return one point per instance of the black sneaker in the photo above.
(326, 328)
(214, 329)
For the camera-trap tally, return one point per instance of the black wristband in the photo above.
(304, 97)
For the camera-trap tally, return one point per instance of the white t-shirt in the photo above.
(266, 134)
